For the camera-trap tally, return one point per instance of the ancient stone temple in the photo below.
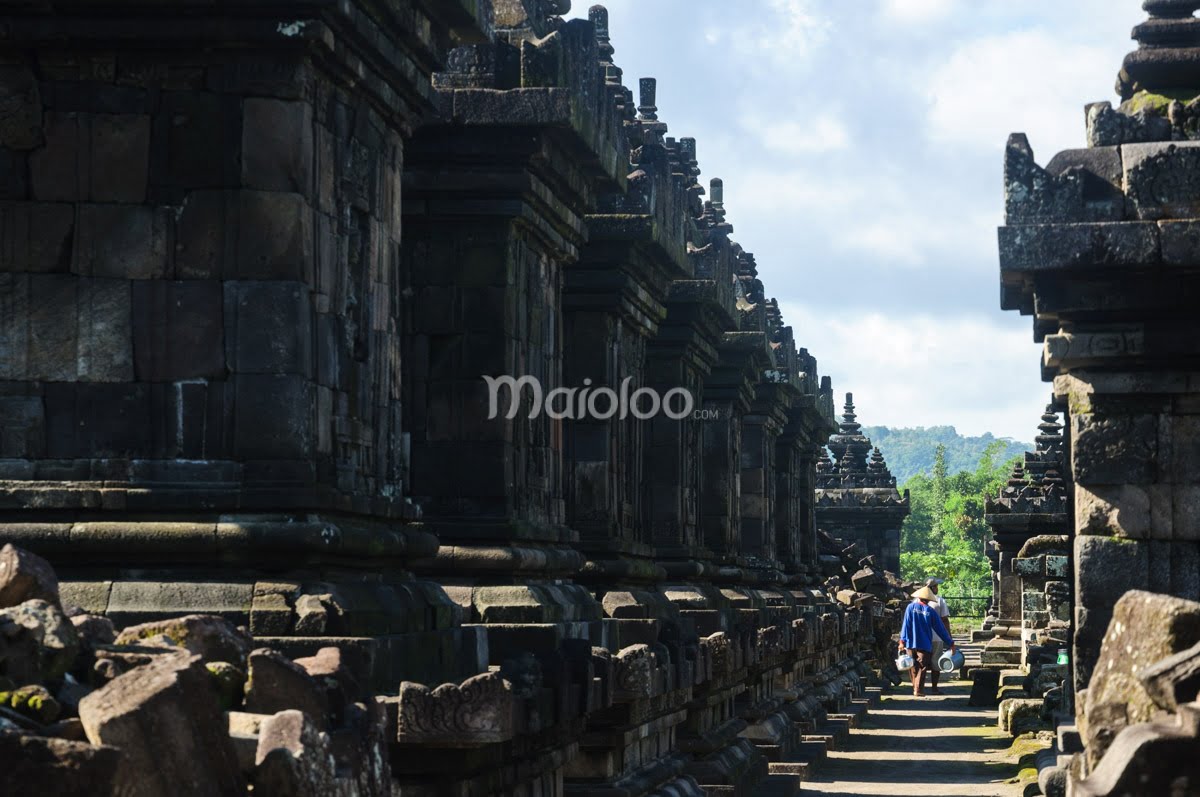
(856, 494)
(1032, 512)
(1100, 249)
(263, 276)
(1024, 666)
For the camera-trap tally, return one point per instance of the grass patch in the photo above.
(962, 626)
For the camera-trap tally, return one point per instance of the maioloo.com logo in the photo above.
(587, 402)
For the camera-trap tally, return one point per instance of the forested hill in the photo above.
(911, 451)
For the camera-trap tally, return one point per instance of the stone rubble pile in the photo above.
(1138, 723)
(855, 579)
(182, 706)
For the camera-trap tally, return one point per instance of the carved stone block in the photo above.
(480, 711)
(1114, 449)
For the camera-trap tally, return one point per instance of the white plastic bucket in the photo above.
(904, 662)
(949, 662)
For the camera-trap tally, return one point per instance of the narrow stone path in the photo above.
(937, 746)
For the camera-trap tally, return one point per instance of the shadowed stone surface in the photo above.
(165, 720)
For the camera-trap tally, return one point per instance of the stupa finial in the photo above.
(599, 17)
(647, 96)
(1167, 60)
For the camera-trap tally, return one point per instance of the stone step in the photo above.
(1012, 678)
(804, 760)
(853, 713)
(1069, 740)
(833, 732)
(777, 785)
(773, 752)
(1007, 657)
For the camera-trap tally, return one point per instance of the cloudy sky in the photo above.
(861, 144)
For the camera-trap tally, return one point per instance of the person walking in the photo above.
(943, 613)
(921, 625)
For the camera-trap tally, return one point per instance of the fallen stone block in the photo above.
(94, 630)
(1149, 758)
(33, 701)
(230, 683)
(866, 578)
(37, 642)
(312, 616)
(47, 766)
(276, 683)
(1018, 716)
(165, 719)
(244, 730)
(328, 668)
(1173, 681)
(208, 636)
(1145, 629)
(293, 758)
(25, 576)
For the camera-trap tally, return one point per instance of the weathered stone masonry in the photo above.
(254, 265)
(856, 496)
(1100, 248)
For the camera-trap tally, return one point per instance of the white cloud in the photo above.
(902, 234)
(825, 133)
(920, 370)
(883, 217)
(783, 35)
(1026, 80)
(917, 10)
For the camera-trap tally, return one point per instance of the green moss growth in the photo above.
(33, 702)
(1025, 749)
(230, 683)
(175, 635)
(1159, 102)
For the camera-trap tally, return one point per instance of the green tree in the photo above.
(946, 533)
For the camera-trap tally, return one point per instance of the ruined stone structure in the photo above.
(1100, 248)
(1031, 516)
(857, 497)
(254, 270)
(1027, 631)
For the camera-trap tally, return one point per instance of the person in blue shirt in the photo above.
(921, 625)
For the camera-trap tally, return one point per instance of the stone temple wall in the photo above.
(856, 495)
(255, 261)
(1100, 248)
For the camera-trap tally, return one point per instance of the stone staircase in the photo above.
(831, 733)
